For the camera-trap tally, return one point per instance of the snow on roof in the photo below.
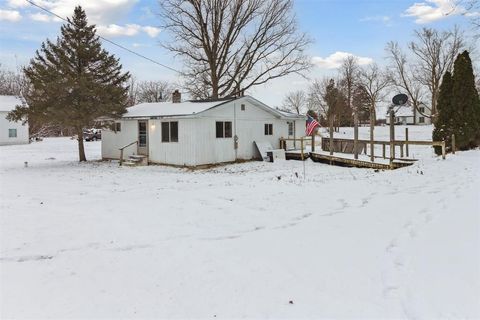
(290, 114)
(8, 103)
(165, 109)
(170, 109)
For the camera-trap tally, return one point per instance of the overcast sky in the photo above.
(338, 27)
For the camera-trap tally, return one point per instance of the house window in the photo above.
(12, 133)
(290, 128)
(118, 127)
(223, 129)
(421, 109)
(242, 107)
(268, 129)
(421, 120)
(170, 131)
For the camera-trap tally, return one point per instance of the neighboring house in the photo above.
(194, 133)
(405, 115)
(11, 132)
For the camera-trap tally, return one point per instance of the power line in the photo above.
(107, 40)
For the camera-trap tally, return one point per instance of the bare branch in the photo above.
(233, 45)
(295, 101)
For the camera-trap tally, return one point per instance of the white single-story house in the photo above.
(195, 133)
(405, 115)
(11, 132)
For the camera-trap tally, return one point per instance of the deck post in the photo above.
(406, 141)
(330, 144)
(121, 156)
(372, 145)
(313, 141)
(301, 144)
(355, 135)
(401, 150)
(392, 138)
(453, 143)
(383, 150)
(443, 149)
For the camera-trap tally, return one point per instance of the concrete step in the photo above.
(136, 160)
(129, 163)
(137, 156)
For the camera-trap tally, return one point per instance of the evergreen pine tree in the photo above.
(444, 126)
(466, 104)
(74, 81)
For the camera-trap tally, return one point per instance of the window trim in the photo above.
(268, 129)
(290, 128)
(142, 133)
(223, 132)
(169, 126)
(12, 130)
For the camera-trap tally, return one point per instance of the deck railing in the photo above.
(126, 146)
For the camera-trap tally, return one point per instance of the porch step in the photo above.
(136, 160)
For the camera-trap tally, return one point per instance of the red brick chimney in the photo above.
(176, 97)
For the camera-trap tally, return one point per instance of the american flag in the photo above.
(311, 125)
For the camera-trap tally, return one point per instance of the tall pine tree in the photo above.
(458, 107)
(444, 126)
(74, 81)
(466, 104)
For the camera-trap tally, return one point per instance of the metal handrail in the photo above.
(126, 146)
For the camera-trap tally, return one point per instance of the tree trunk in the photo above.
(81, 148)
(414, 113)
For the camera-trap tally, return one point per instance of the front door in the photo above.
(143, 137)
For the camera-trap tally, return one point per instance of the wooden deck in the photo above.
(296, 155)
(346, 162)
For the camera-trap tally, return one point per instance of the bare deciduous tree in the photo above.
(326, 98)
(12, 83)
(154, 91)
(373, 82)
(470, 9)
(349, 76)
(231, 45)
(132, 91)
(435, 53)
(295, 101)
(402, 76)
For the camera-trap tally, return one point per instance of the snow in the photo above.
(164, 109)
(188, 108)
(95, 240)
(8, 103)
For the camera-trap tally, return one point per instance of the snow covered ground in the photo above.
(94, 240)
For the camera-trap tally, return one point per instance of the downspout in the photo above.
(294, 134)
(195, 146)
(235, 138)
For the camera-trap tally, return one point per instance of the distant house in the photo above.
(406, 115)
(11, 132)
(194, 133)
